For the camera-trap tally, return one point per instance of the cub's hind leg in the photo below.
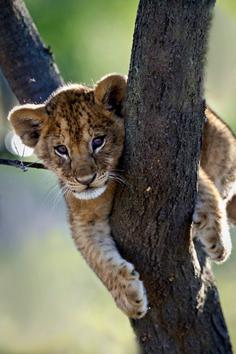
(210, 223)
(231, 210)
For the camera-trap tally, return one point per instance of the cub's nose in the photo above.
(85, 180)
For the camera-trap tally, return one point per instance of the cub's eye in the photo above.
(61, 150)
(98, 142)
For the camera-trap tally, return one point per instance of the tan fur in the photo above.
(217, 187)
(210, 220)
(73, 116)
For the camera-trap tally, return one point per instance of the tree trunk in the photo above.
(25, 61)
(151, 218)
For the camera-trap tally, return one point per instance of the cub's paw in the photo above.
(129, 293)
(216, 249)
(213, 234)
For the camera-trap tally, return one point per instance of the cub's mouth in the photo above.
(90, 193)
(89, 189)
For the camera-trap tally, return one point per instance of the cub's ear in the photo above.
(27, 121)
(110, 92)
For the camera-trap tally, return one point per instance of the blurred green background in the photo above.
(50, 302)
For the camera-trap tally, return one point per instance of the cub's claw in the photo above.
(216, 248)
(129, 292)
(214, 235)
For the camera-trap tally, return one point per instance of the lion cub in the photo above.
(79, 135)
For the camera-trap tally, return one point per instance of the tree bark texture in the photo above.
(151, 218)
(25, 61)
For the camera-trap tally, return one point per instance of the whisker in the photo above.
(60, 194)
(57, 198)
(115, 179)
(119, 179)
(118, 176)
(71, 185)
(67, 191)
(51, 190)
(33, 163)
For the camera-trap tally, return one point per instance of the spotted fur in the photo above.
(72, 117)
(216, 204)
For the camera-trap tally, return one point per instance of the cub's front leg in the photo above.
(92, 238)
(210, 224)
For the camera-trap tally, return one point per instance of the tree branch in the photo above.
(26, 62)
(151, 223)
(21, 164)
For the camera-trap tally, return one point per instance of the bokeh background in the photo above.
(50, 301)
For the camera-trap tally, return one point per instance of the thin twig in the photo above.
(21, 164)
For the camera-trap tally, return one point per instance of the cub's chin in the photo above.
(90, 193)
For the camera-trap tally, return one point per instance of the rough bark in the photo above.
(151, 219)
(25, 61)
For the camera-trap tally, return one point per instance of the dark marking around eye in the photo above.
(61, 150)
(97, 142)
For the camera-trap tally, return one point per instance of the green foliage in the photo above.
(229, 5)
(51, 302)
(88, 38)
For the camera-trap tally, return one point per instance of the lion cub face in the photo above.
(78, 133)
